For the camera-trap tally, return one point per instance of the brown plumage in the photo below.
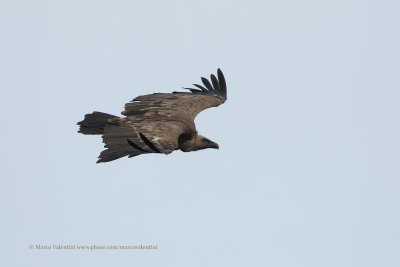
(157, 123)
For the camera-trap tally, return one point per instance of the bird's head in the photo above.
(203, 143)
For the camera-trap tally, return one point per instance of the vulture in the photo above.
(157, 123)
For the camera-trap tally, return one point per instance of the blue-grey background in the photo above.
(308, 168)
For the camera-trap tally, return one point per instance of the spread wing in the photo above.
(154, 123)
(180, 105)
(127, 137)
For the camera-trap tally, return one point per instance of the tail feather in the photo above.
(115, 138)
(115, 135)
(94, 123)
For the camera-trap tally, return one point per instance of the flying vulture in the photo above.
(157, 123)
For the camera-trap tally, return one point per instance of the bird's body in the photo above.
(157, 123)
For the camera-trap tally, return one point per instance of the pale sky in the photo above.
(307, 173)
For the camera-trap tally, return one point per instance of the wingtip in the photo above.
(216, 86)
(207, 84)
(222, 83)
(215, 83)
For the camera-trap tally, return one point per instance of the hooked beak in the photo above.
(215, 145)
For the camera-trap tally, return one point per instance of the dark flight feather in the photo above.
(149, 144)
(136, 146)
(192, 90)
(207, 84)
(215, 83)
(222, 83)
(201, 87)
